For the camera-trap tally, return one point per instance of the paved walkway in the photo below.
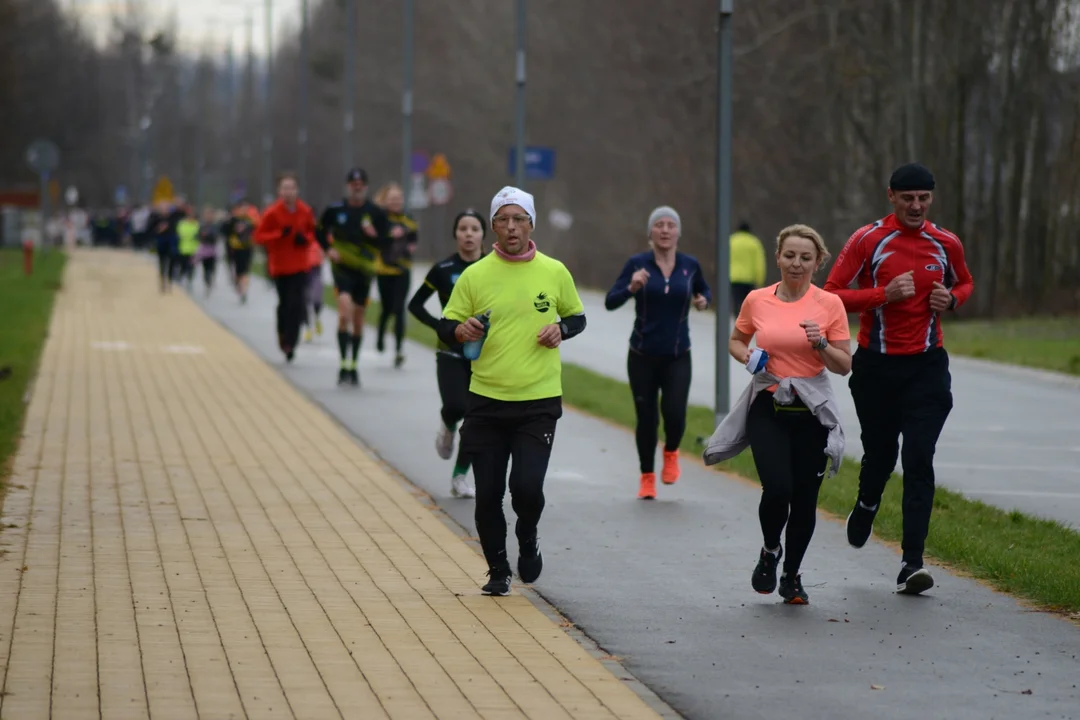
(187, 536)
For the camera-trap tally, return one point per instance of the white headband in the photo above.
(513, 196)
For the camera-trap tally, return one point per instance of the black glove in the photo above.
(286, 231)
(300, 240)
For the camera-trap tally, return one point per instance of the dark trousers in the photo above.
(454, 374)
(788, 445)
(291, 308)
(209, 265)
(394, 291)
(668, 377)
(909, 395)
(739, 291)
(494, 432)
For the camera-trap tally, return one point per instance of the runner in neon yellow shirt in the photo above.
(187, 230)
(515, 396)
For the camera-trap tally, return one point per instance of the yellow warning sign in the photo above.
(439, 168)
(163, 190)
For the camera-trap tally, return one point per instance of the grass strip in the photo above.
(27, 307)
(1012, 551)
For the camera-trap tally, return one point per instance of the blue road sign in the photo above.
(419, 161)
(539, 162)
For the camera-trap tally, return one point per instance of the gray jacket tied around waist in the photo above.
(816, 392)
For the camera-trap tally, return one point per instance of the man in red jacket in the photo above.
(907, 271)
(287, 231)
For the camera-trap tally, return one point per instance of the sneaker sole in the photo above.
(796, 601)
(494, 594)
(847, 523)
(919, 582)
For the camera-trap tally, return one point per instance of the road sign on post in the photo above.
(439, 169)
(440, 191)
(163, 190)
(539, 163)
(418, 199)
(43, 157)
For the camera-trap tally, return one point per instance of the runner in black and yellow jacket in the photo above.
(395, 271)
(353, 233)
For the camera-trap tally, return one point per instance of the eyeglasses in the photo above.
(504, 220)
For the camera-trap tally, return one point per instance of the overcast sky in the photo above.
(200, 21)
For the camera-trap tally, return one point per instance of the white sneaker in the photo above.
(444, 442)
(461, 487)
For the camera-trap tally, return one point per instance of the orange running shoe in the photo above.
(648, 486)
(671, 471)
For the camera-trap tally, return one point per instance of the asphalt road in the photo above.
(665, 585)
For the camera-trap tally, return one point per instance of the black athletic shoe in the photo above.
(913, 580)
(791, 590)
(354, 377)
(860, 524)
(342, 376)
(380, 344)
(289, 355)
(399, 360)
(764, 578)
(530, 561)
(498, 582)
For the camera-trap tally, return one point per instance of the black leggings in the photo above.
(209, 265)
(393, 292)
(453, 373)
(494, 432)
(669, 377)
(291, 308)
(788, 444)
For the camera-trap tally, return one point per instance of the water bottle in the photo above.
(471, 349)
(758, 359)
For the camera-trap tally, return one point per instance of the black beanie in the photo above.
(912, 176)
(473, 214)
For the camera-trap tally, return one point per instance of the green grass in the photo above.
(27, 306)
(1048, 343)
(1010, 551)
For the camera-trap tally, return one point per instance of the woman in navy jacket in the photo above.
(664, 284)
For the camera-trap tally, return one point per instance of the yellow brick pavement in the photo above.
(186, 536)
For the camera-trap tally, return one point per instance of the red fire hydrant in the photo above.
(28, 256)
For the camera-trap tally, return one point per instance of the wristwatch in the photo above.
(822, 343)
(952, 301)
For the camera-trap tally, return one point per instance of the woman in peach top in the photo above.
(805, 331)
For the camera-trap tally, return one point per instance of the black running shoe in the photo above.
(380, 344)
(860, 524)
(530, 561)
(913, 580)
(498, 582)
(764, 578)
(399, 360)
(289, 355)
(791, 590)
(342, 376)
(354, 377)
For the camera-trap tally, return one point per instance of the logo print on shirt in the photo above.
(541, 303)
(934, 268)
(454, 277)
(342, 218)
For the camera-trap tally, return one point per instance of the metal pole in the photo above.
(350, 80)
(268, 126)
(722, 292)
(44, 180)
(407, 104)
(305, 70)
(230, 122)
(519, 123)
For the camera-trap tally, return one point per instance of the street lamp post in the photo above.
(268, 126)
(407, 103)
(352, 23)
(519, 121)
(724, 59)
(305, 70)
